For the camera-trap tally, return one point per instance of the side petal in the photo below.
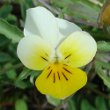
(34, 53)
(40, 21)
(78, 49)
(59, 83)
(66, 27)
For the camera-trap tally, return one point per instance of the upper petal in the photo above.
(66, 27)
(34, 52)
(40, 21)
(78, 49)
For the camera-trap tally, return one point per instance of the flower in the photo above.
(57, 47)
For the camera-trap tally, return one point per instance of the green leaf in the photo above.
(78, 9)
(108, 103)
(34, 74)
(3, 41)
(71, 105)
(10, 31)
(100, 72)
(100, 103)
(20, 81)
(24, 5)
(103, 46)
(4, 57)
(22, 84)
(11, 73)
(5, 10)
(24, 74)
(53, 101)
(21, 105)
(105, 65)
(85, 105)
(11, 19)
(82, 9)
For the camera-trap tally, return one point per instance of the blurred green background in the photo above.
(17, 90)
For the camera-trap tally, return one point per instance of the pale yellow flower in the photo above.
(57, 47)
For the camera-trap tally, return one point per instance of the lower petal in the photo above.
(60, 80)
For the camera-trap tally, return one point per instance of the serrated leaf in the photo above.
(103, 46)
(53, 101)
(10, 31)
(100, 103)
(21, 105)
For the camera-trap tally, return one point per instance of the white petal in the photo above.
(66, 27)
(40, 21)
(34, 53)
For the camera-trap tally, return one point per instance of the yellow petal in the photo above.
(60, 80)
(34, 53)
(78, 49)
